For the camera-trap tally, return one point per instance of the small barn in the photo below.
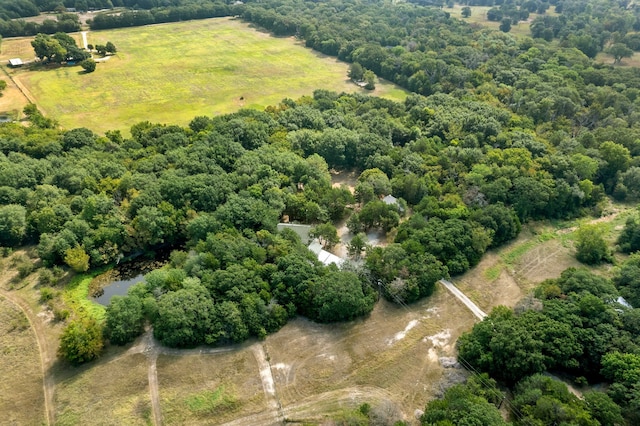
(15, 62)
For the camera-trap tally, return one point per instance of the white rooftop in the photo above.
(324, 256)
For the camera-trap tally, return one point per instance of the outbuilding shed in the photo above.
(16, 62)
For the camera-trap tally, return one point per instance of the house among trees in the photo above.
(324, 256)
(314, 246)
(301, 230)
(390, 200)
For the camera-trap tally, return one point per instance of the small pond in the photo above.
(117, 281)
(117, 288)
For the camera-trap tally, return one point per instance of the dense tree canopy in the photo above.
(576, 329)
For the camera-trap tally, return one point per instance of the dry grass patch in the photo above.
(209, 388)
(391, 357)
(111, 391)
(21, 395)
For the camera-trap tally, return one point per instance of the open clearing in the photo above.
(171, 73)
(396, 359)
(479, 17)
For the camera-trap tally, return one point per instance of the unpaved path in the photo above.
(151, 348)
(479, 313)
(84, 40)
(46, 356)
(154, 391)
(268, 384)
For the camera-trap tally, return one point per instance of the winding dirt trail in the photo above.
(46, 356)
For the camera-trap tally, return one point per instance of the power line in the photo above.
(466, 364)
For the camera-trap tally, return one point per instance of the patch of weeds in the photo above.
(47, 294)
(46, 277)
(76, 294)
(513, 255)
(60, 315)
(351, 417)
(25, 269)
(19, 323)
(68, 417)
(210, 402)
(546, 236)
(142, 409)
(17, 259)
(492, 273)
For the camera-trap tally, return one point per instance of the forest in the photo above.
(498, 131)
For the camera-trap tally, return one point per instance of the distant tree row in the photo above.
(157, 15)
(64, 22)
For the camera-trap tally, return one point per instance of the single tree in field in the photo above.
(591, 246)
(370, 79)
(466, 12)
(110, 48)
(101, 49)
(90, 47)
(505, 25)
(88, 65)
(356, 72)
(619, 51)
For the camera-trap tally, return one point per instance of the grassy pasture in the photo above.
(170, 73)
(109, 392)
(21, 397)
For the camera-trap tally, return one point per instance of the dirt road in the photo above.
(84, 40)
(464, 299)
(154, 391)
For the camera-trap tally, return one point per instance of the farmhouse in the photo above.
(324, 256)
(314, 246)
(301, 230)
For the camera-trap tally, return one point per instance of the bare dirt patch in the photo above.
(344, 177)
(545, 261)
(321, 369)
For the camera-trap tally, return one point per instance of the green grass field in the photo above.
(171, 73)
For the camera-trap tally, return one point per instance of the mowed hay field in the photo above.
(170, 73)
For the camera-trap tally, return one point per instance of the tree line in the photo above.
(86, 200)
